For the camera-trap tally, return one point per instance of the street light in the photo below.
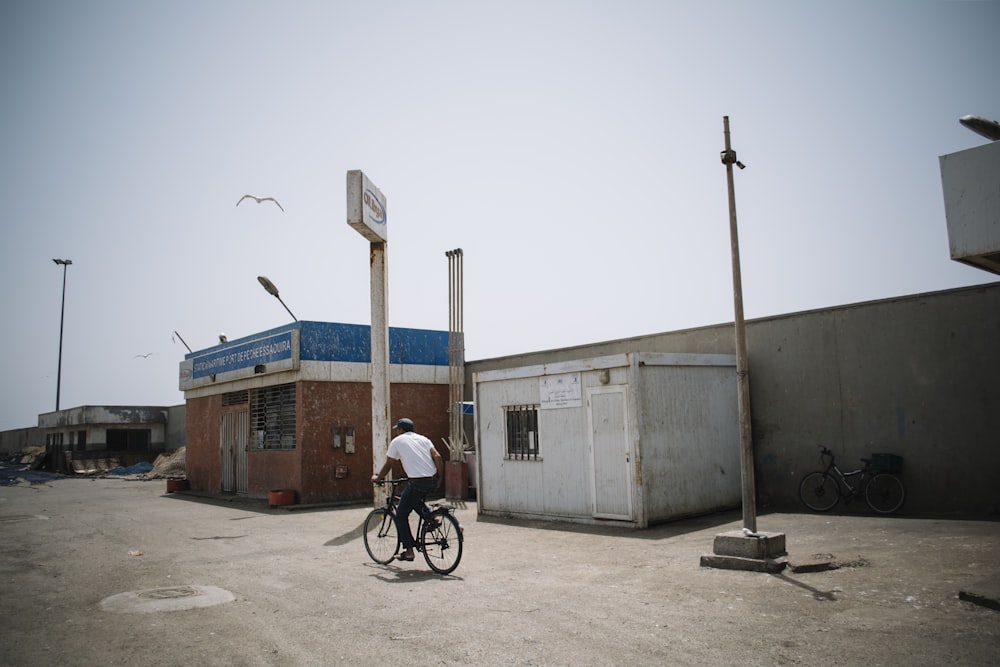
(273, 291)
(62, 317)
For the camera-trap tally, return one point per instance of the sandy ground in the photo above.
(297, 588)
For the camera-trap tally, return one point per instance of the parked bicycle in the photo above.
(820, 491)
(439, 535)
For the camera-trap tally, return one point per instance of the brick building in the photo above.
(290, 408)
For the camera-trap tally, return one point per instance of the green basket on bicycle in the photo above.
(887, 462)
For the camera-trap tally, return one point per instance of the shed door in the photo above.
(611, 458)
(233, 445)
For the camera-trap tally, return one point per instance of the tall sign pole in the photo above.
(366, 213)
(742, 367)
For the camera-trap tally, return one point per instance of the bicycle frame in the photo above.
(842, 478)
(392, 501)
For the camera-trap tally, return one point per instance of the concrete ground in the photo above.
(112, 571)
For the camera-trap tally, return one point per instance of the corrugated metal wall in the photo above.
(690, 436)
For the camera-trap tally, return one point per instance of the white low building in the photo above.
(634, 438)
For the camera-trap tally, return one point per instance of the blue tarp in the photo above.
(13, 474)
(138, 469)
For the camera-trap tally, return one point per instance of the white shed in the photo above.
(635, 438)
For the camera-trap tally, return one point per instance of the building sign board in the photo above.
(560, 391)
(366, 207)
(272, 351)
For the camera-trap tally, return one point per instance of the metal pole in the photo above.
(62, 317)
(456, 351)
(742, 368)
(286, 307)
(460, 327)
(183, 341)
(380, 362)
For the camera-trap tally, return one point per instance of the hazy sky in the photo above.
(571, 149)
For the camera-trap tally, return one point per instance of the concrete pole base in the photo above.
(759, 552)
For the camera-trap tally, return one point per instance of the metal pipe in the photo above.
(456, 352)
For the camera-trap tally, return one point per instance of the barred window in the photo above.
(522, 432)
(235, 398)
(272, 417)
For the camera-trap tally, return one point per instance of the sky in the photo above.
(571, 149)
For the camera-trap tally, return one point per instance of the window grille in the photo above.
(235, 398)
(522, 432)
(272, 417)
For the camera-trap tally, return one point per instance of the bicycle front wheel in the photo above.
(818, 491)
(442, 539)
(381, 539)
(885, 493)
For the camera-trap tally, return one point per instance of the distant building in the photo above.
(93, 437)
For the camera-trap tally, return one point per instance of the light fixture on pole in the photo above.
(273, 291)
(62, 317)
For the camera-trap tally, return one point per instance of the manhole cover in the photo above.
(174, 598)
(168, 593)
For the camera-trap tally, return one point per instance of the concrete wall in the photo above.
(176, 426)
(914, 375)
(18, 439)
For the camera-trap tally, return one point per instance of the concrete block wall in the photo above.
(917, 376)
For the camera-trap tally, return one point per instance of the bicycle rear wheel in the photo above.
(885, 493)
(442, 538)
(818, 491)
(381, 539)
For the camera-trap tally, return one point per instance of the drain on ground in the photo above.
(168, 593)
(173, 598)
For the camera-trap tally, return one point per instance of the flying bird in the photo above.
(261, 199)
(144, 356)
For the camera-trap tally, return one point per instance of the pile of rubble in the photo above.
(33, 457)
(170, 465)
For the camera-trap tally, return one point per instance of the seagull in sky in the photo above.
(144, 356)
(261, 199)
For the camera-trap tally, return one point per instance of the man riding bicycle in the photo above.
(423, 465)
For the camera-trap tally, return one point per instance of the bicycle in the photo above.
(438, 536)
(820, 491)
